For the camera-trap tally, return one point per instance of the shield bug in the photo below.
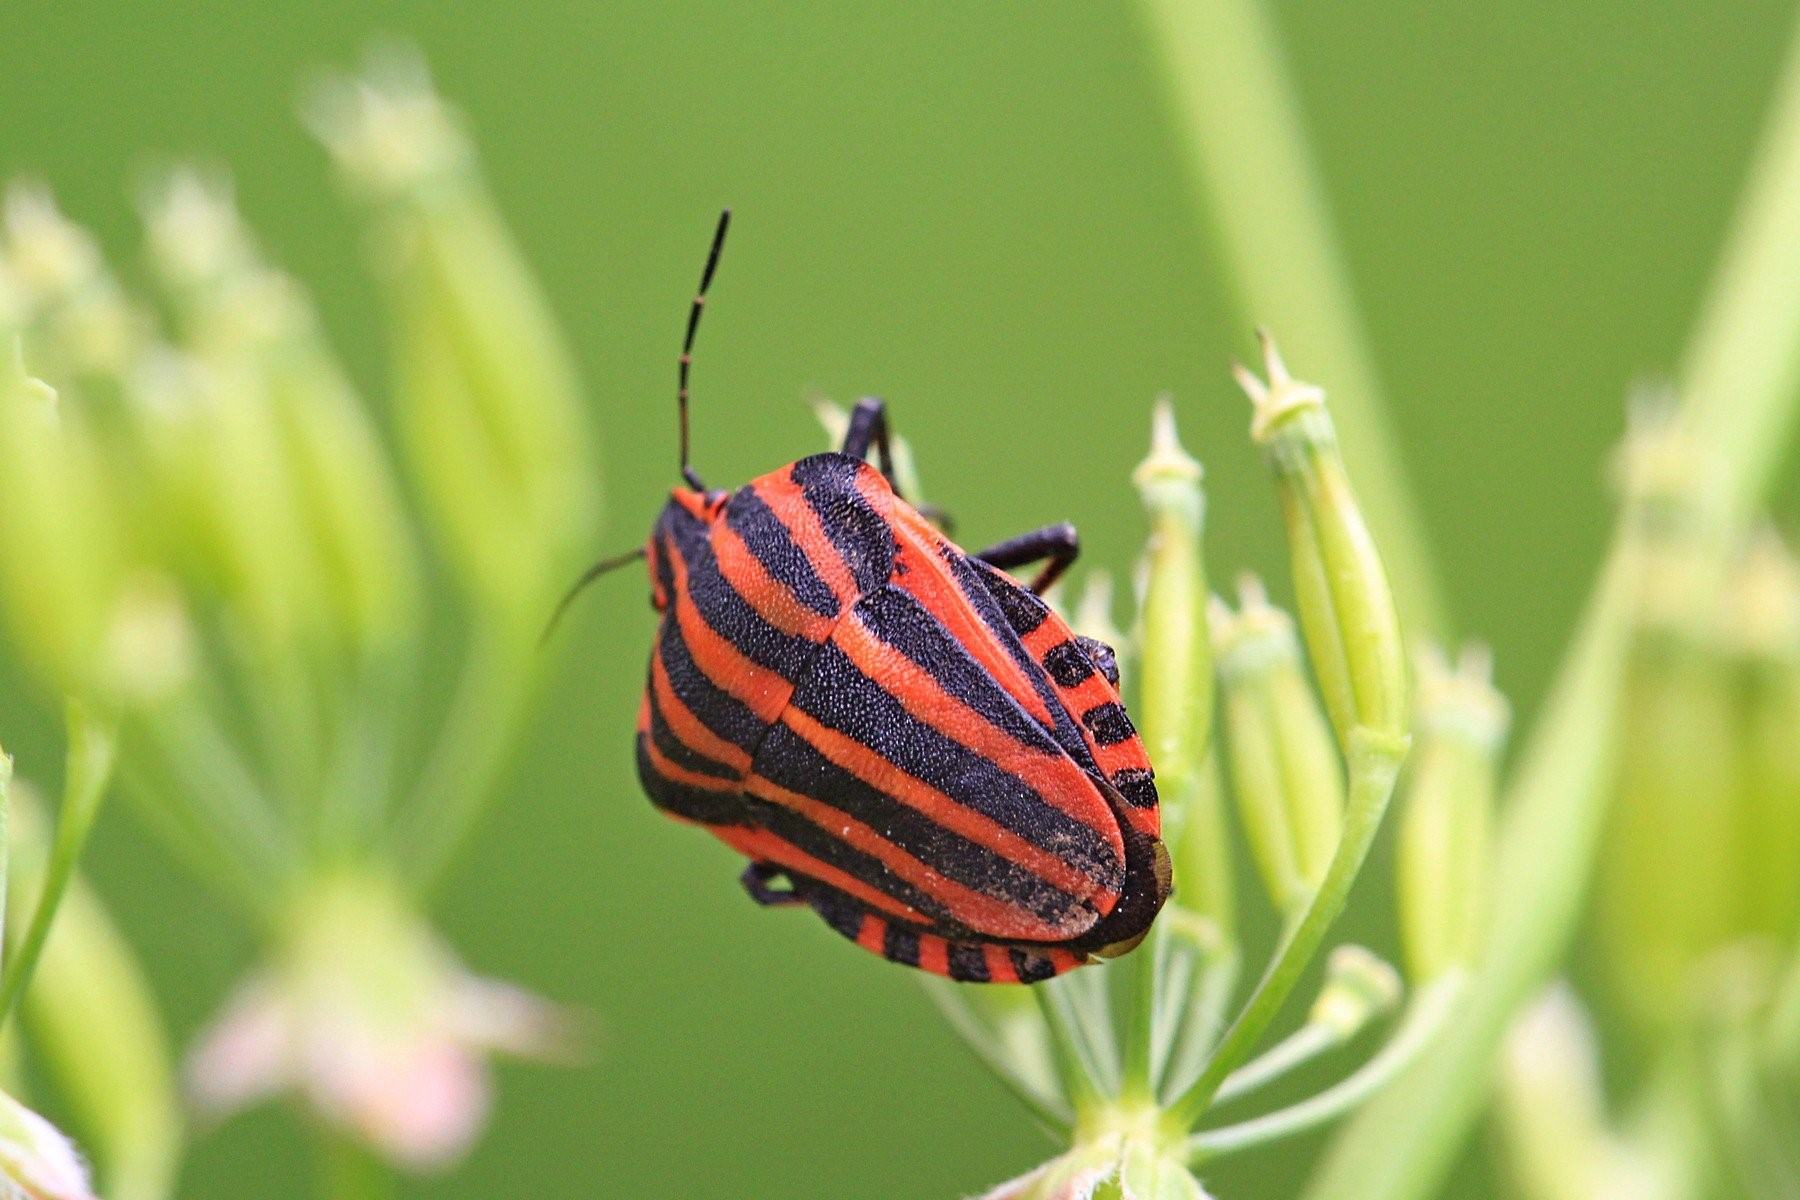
(895, 732)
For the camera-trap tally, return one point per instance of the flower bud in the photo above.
(220, 465)
(1764, 627)
(1284, 769)
(488, 404)
(36, 1160)
(59, 545)
(1446, 823)
(1551, 1108)
(1670, 880)
(1669, 888)
(81, 325)
(1346, 606)
(1359, 988)
(148, 650)
(95, 1026)
(1175, 687)
(234, 308)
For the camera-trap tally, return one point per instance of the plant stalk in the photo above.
(93, 746)
(1242, 143)
(1424, 1019)
(1374, 765)
(1739, 394)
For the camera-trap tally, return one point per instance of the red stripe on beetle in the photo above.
(930, 582)
(764, 846)
(772, 600)
(761, 690)
(1055, 777)
(682, 722)
(978, 910)
(885, 777)
(1119, 756)
(1147, 821)
(873, 934)
(788, 502)
(934, 954)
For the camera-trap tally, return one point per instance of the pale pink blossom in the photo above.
(376, 1025)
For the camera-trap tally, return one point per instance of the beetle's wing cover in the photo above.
(840, 692)
(970, 961)
(698, 723)
(1053, 677)
(900, 772)
(752, 587)
(1112, 740)
(927, 783)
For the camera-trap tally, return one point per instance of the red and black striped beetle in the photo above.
(893, 731)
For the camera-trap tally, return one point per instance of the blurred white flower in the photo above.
(36, 1160)
(1113, 1166)
(374, 1022)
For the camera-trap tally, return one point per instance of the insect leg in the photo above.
(959, 956)
(756, 880)
(937, 516)
(1059, 544)
(868, 424)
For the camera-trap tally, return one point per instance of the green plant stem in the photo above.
(276, 694)
(1202, 915)
(360, 782)
(457, 781)
(201, 846)
(1738, 391)
(1202, 1019)
(1138, 1079)
(93, 745)
(1374, 764)
(985, 1046)
(1091, 1003)
(1296, 1050)
(1241, 142)
(218, 787)
(1424, 1019)
(6, 773)
(1176, 987)
(1080, 1078)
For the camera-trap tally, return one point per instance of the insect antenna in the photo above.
(687, 345)
(580, 585)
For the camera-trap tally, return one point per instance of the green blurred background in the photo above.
(972, 210)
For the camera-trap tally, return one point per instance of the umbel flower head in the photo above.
(1346, 605)
(1117, 1167)
(209, 548)
(1130, 1060)
(371, 1019)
